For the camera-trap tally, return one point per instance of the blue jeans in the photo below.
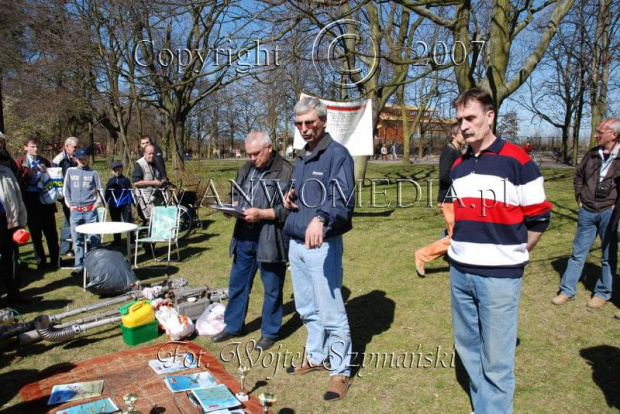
(241, 280)
(485, 313)
(590, 224)
(77, 218)
(317, 283)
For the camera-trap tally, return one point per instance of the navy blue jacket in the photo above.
(117, 189)
(324, 184)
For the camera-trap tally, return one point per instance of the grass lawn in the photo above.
(567, 360)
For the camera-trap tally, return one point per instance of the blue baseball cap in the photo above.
(81, 152)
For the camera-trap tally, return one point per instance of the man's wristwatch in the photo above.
(321, 219)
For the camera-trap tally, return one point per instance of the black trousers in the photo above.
(8, 262)
(42, 221)
(120, 214)
(65, 231)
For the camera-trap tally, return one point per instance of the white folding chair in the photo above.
(163, 228)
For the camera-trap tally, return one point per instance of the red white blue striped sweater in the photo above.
(500, 195)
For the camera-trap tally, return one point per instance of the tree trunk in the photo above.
(1, 105)
(601, 60)
(91, 140)
(400, 93)
(111, 145)
(178, 135)
(576, 127)
(564, 149)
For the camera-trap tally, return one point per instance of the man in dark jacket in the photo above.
(41, 217)
(118, 197)
(257, 240)
(596, 191)
(322, 201)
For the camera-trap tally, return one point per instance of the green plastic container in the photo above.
(141, 333)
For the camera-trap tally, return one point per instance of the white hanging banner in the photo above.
(349, 123)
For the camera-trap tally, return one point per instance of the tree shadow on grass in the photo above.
(589, 275)
(572, 213)
(147, 272)
(605, 363)
(287, 329)
(188, 253)
(53, 285)
(86, 339)
(13, 381)
(461, 375)
(38, 304)
(386, 213)
(369, 315)
(198, 236)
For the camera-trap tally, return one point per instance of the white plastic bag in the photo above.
(177, 327)
(211, 322)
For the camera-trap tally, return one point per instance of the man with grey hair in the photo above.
(596, 193)
(147, 178)
(257, 241)
(65, 160)
(320, 214)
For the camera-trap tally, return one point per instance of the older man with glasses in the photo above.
(321, 212)
(596, 192)
(258, 242)
(65, 160)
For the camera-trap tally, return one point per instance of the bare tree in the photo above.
(508, 127)
(604, 45)
(488, 33)
(227, 35)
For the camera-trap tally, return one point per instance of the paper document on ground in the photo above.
(215, 398)
(178, 383)
(77, 391)
(105, 406)
(174, 364)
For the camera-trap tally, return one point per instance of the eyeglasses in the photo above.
(309, 124)
(599, 132)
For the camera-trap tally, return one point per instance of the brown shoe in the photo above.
(338, 387)
(419, 265)
(596, 302)
(617, 316)
(307, 367)
(561, 299)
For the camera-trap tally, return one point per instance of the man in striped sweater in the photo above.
(500, 214)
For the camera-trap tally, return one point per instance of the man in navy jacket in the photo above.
(322, 203)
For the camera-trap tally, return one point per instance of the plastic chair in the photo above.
(163, 228)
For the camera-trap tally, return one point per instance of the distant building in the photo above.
(432, 128)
